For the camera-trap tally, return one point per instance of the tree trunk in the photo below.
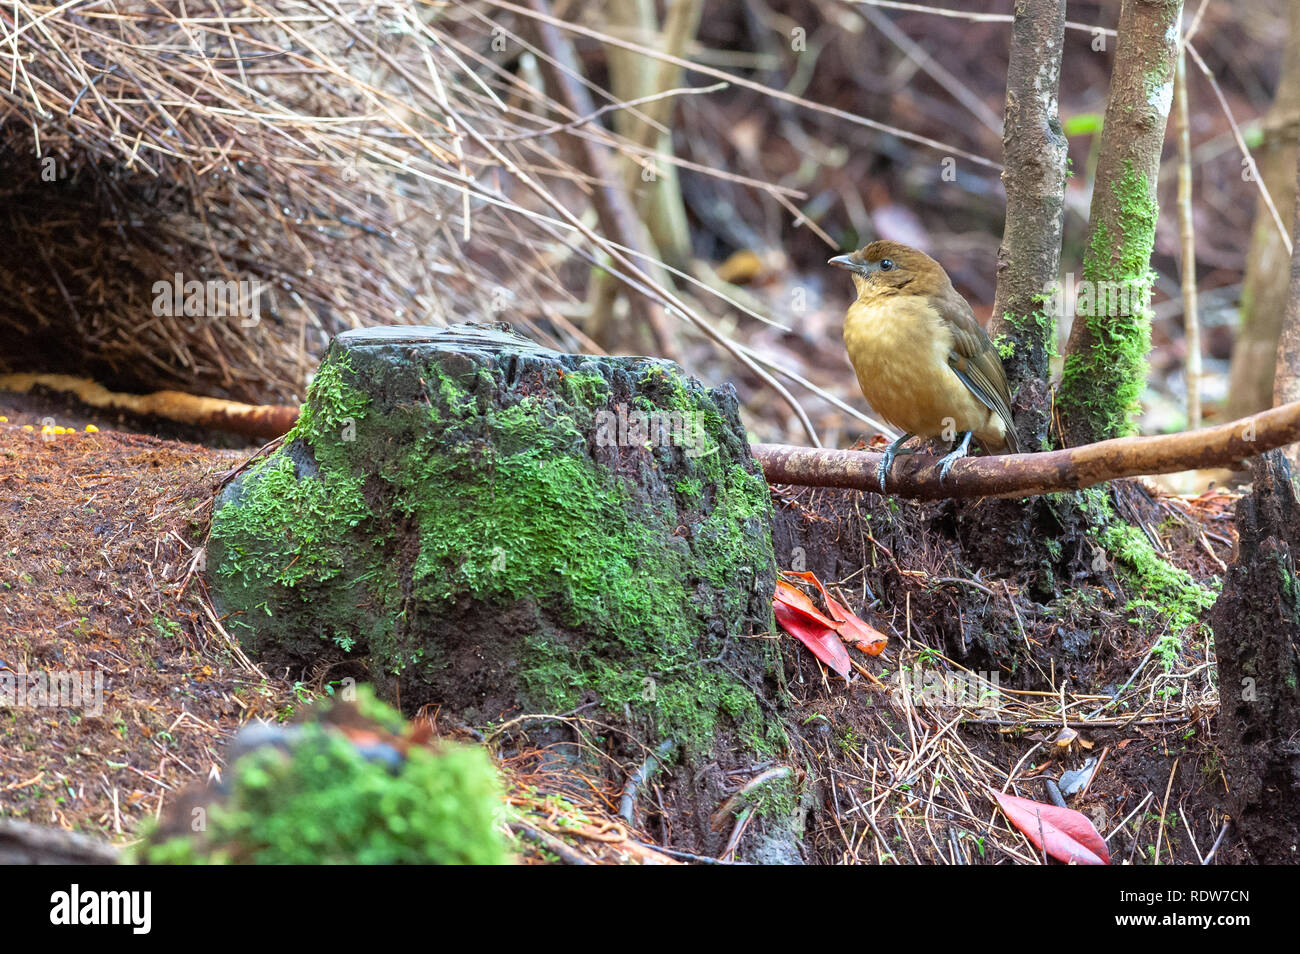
(1256, 623)
(498, 528)
(1034, 152)
(1264, 293)
(614, 208)
(1286, 378)
(633, 76)
(1106, 360)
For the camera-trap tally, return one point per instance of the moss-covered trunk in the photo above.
(1106, 359)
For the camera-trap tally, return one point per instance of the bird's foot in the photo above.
(960, 451)
(887, 459)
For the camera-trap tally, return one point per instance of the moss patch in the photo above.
(1167, 598)
(1101, 388)
(324, 802)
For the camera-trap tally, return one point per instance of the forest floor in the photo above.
(99, 534)
(910, 753)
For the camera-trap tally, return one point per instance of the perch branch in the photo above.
(1022, 475)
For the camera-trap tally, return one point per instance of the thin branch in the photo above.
(1022, 475)
(1241, 145)
(746, 84)
(928, 64)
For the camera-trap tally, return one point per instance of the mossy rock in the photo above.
(341, 787)
(498, 528)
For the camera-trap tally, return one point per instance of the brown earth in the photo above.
(97, 537)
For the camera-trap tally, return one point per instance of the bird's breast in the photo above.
(899, 347)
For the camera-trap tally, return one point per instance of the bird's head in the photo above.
(890, 268)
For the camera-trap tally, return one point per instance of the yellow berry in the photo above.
(92, 429)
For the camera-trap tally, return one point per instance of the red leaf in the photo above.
(1068, 834)
(852, 628)
(864, 637)
(796, 599)
(822, 641)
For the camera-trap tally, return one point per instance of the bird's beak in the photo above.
(844, 261)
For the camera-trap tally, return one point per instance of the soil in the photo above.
(97, 537)
(916, 777)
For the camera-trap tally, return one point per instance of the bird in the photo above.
(922, 360)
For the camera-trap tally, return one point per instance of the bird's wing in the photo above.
(974, 359)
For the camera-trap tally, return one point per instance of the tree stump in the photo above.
(1256, 623)
(500, 529)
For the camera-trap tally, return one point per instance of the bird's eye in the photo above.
(886, 264)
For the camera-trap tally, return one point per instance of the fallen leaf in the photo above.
(1065, 737)
(797, 599)
(859, 634)
(1062, 833)
(821, 640)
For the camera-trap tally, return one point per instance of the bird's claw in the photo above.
(945, 463)
(887, 459)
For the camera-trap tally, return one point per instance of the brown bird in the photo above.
(923, 361)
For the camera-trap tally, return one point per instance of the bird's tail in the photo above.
(1012, 439)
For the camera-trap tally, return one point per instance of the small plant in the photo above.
(166, 628)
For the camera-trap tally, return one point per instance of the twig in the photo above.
(627, 805)
(1187, 235)
(1164, 811)
(550, 843)
(1214, 849)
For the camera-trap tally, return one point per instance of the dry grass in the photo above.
(342, 155)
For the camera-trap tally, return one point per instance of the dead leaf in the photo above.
(821, 640)
(1062, 833)
(859, 634)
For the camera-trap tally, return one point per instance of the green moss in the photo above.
(1165, 600)
(324, 803)
(1166, 597)
(511, 512)
(777, 798)
(331, 403)
(1100, 388)
(1039, 325)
